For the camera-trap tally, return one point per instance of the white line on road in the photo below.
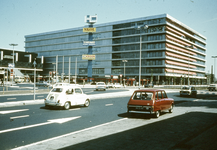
(19, 117)
(11, 98)
(62, 120)
(108, 104)
(74, 109)
(86, 129)
(12, 111)
(40, 96)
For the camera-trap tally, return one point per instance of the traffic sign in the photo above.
(89, 43)
(11, 65)
(89, 29)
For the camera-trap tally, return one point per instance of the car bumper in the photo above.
(49, 103)
(140, 109)
(101, 88)
(185, 93)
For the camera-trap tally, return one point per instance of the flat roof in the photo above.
(120, 22)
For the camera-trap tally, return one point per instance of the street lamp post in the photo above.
(140, 28)
(124, 61)
(214, 68)
(12, 44)
(34, 63)
(192, 46)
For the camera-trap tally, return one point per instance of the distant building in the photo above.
(171, 51)
(23, 64)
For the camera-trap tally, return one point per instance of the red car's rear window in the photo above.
(142, 96)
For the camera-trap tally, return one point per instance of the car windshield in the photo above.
(57, 90)
(185, 88)
(143, 96)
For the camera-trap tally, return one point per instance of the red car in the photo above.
(152, 101)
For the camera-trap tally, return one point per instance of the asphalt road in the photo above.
(99, 112)
(106, 125)
(18, 96)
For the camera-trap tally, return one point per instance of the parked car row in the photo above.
(43, 83)
(212, 87)
(47, 84)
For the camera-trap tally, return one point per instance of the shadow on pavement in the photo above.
(208, 104)
(139, 115)
(194, 130)
(59, 108)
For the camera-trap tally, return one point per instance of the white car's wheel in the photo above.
(87, 103)
(67, 105)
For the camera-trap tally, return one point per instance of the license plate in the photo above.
(139, 108)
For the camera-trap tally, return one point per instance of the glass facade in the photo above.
(168, 48)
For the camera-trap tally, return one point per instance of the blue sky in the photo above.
(24, 17)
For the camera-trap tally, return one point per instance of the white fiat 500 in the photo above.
(66, 96)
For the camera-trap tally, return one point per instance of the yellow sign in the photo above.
(89, 29)
(88, 57)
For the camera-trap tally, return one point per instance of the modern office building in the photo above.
(171, 52)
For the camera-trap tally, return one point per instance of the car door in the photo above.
(161, 100)
(70, 96)
(80, 97)
(157, 104)
(166, 100)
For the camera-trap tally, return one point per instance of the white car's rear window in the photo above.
(185, 88)
(57, 90)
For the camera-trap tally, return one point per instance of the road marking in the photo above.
(19, 117)
(40, 96)
(62, 120)
(86, 129)
(12, 111)
(11, 98)
(74, 109)
(108, 104)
